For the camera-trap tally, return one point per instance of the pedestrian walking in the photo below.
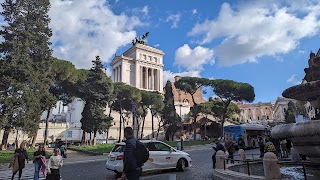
(230, 148)
(269, 147)
(284, 151)
(241, 143)
(218, 147)
(261, 146)
(131, 168)
(39, 161)
(63, 150)
(21, 156)
(55, 162)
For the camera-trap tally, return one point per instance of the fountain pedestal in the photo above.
(305, 137)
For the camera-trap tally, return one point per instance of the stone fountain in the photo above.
(305, 136)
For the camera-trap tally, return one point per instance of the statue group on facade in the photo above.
(140, 40)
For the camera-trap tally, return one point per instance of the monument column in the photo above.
(113, 74)
(141, 76)
(160, 80)
(116, 74)
(146, 78)
(120, 74)
(137, 77)
(155, 86)
(152, 79)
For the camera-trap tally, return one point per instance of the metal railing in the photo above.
(246, 161)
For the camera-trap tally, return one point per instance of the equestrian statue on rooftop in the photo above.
(140, 40)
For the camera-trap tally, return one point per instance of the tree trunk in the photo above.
(107, 133)
(224, 116)
(120, 127)
(84, 138)
(94, 138)
(5, 138)
(138, 129)
(195, 124)
(90, 141)
(152, 128)
(205, 127)
(144, 118)
(47, 125)
(159, 128)
(194, 118)
(34, 139)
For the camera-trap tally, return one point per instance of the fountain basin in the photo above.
(293, 172)
(305, 92)
(304, 136)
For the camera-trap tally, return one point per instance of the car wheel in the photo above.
(181, 165)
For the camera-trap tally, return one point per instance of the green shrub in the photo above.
(6, 155)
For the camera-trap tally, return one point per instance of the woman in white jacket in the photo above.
(54, 164)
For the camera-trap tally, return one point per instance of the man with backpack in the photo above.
(135, 154)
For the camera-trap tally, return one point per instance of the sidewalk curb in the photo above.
(84, 161)
(86, 152)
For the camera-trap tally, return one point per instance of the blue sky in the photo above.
(264, 43)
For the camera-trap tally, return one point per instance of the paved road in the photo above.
(95, 170)
(200, 170)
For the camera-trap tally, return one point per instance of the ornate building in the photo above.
(255, 112)
(183, 101)
(280, 108)
(141, 66)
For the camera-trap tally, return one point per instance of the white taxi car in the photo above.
(161, 156)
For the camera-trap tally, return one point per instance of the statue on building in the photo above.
(140, 40)
(313, 72)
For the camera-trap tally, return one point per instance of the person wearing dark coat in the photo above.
(22, 157)
(217, 148)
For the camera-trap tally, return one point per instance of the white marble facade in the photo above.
(141, 66)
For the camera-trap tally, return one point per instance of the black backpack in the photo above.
(142, 153)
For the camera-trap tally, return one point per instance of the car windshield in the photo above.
(118, 148)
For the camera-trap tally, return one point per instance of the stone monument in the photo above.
(305, 135)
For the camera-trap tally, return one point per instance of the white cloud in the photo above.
(168, 75)
(294, 80)
(302, 51)
(175, 19)
(194, 11)
(193, 59)
(145, 10)
(156, 45)
(249, 31)
(83, 29)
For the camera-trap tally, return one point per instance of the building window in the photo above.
(155, 59)
(144, 57)
(267, 117)
(150, 58)
(258, 117)
(266, 108)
